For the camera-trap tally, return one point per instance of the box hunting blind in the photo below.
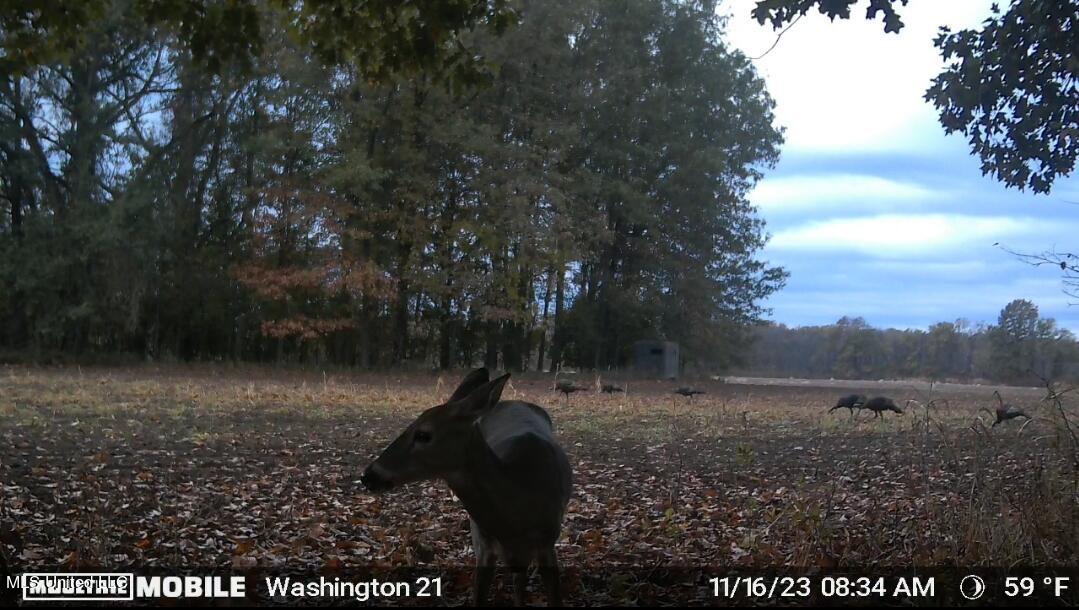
(656, 359)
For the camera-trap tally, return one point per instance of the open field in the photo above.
(906, 387)
(257, 469)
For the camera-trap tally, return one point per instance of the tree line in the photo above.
(1022, 347)
(585, 189)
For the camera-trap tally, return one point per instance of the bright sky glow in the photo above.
(873, 209)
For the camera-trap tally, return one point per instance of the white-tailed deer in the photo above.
(502, 460)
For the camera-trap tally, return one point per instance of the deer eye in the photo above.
(422, 436)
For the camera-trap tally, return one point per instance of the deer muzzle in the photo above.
(374, 480)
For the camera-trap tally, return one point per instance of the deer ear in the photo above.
(483, 398)
(471, 381)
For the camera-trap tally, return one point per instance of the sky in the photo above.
(873, 210)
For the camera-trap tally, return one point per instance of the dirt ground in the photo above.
(257, 469)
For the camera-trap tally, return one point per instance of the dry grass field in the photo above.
(258, 468)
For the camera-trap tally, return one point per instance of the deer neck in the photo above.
(482, 484)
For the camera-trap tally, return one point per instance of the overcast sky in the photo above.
(872, 208)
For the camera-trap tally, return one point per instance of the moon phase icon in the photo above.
(972, 587)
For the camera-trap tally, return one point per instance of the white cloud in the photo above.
(902, 236)
(816, 192)
(903, 243)
(847, 85)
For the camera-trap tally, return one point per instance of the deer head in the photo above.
(434, 446)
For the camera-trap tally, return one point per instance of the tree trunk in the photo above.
(543, 325)
(511, 349)
(445, 355)
(557, 337)
(400, 314)
(490, 359)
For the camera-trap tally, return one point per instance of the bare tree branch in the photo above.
(1067, 262)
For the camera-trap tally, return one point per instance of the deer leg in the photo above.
(548, 567)
(520, 585)
(481, 583)
(485, 567)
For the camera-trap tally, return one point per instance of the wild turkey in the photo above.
(1006, 411)
(688, 392)
(879, 404)
(610, 388)
(567, 387)
(850, 401)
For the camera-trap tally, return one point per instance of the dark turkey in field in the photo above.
(688, 392)
(567, 387)
(610, 388)
(879, 404)
(850, 401)
(1006, 411)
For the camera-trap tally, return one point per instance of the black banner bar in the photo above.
(599, 586)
